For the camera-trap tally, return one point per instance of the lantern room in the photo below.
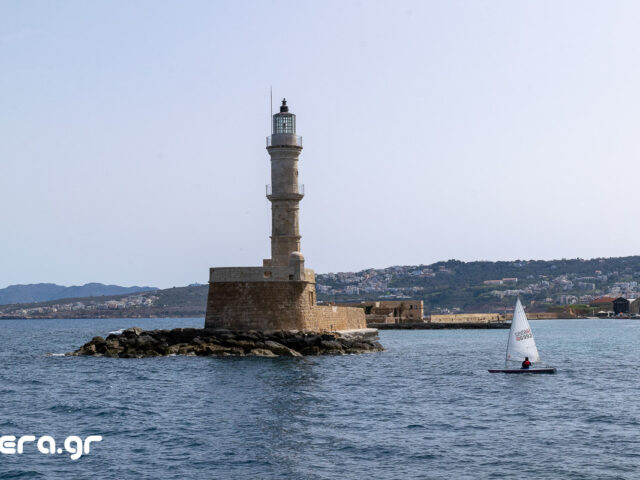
(284, 122)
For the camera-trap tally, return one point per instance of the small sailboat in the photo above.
(521, 345)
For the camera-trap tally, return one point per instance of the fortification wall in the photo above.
(467, 318)
(541, 315)
(273, 305)
(259, 274)
(256, 305)
(336, 318)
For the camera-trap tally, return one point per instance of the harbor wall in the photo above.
(540, 315)
(467, 318)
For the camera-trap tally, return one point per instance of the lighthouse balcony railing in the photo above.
(300, 191)
(284, 140)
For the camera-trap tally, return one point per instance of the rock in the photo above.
(331, 345)
(278, 335)
(146, 341)
(312, 350)
(253, 335)
(88, 349)
(185, 348)
(227, 337)
(132, 331)
(299, 341)
(162, 348)
(137, 343)
(246, 345)
(126, 341)
(354, 350)
(213, 349)
(247, 337)
(173, 349)
(280, 349)
(261, 352)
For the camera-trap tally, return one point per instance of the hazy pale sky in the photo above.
(132, 133)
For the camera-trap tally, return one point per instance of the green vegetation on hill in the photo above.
(450, 286)
(42, 292)
(456, 285)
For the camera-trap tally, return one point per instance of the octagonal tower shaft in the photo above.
(284, 193)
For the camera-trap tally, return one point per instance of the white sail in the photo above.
(521, 343)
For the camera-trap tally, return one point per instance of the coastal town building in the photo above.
(567, 299)
(281, 294)
(617, 305)
(504, 281)
(620, 305)
(604, 304)
(391, 311)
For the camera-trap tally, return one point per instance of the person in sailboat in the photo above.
(526, 363)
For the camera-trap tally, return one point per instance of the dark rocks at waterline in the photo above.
(137, 343)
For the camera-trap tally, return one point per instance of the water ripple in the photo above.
(425, 408)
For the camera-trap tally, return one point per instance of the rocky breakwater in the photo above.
(138, 343)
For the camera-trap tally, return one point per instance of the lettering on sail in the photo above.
(523, 334)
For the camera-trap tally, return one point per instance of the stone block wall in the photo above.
(467, 318)
(336, 318)
(401, 311)
(260, 274)
(273, 305)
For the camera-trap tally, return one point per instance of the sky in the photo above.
(132, 133)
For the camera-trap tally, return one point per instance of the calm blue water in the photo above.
(425, 408)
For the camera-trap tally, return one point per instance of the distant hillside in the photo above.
(445, 287)
(171, 302)
(488, 286)
(43, 292)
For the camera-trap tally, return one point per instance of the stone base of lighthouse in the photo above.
(273, 298)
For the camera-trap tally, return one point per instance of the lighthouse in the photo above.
(281, 294)
(285, 192)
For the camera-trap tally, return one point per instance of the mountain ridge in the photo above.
(445, 287)
(44, 292)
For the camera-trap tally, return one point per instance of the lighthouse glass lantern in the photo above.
(284, 122)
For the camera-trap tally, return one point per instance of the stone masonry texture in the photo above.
(275, 306)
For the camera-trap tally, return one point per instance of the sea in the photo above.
(426, 408)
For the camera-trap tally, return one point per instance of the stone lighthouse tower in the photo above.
(281, 294)
(284, 193)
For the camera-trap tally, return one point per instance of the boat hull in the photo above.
(549, 370)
